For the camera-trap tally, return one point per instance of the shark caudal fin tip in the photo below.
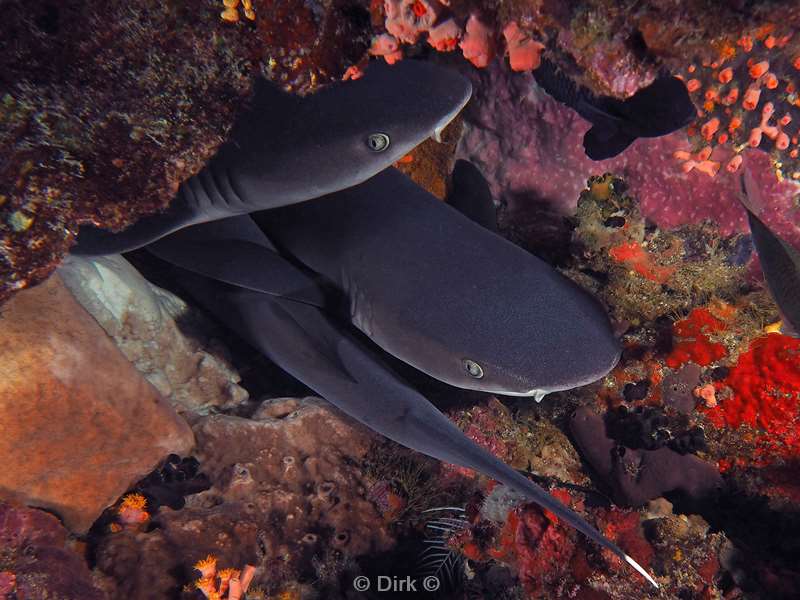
(641, 571)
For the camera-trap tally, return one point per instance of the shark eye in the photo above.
(378, 142)
(473, 369)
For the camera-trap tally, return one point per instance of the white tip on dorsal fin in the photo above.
(750, 193)
(641, 571)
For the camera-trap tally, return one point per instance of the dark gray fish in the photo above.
(325, 355)
(445, 295)
(660, 108)
(287, 149)
(780, 262)
(235, 251)
(470, 195)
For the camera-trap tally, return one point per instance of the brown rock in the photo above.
(79, 424)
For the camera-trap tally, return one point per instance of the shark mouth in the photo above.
(437, 132)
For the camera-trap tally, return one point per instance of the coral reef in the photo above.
(36, 560)
(79, 423)
(530, 149)
(106, 108)
(617, 47)
(748, 94)
(286, 488)
(216, 584)
(760, 393)
(551, 561)
(642, 272)
(702, 408)
(431, 163)
(638, 476)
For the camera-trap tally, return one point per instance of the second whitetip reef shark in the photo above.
(422, 281)
(780, 261)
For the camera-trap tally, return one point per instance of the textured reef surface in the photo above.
(106, 107)
(148, 453)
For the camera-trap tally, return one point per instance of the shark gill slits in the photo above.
(473, 369)
(378, 142)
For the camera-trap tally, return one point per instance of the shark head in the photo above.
(496, 319)
(447, 295)
(300, 148)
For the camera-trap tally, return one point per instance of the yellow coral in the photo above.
(132, 510)
(133, 501)
(206, 585)
(207, 567)
(226, 574)
(231, 13)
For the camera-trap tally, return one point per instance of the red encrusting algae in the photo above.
(537, 544)
(624, 528)
(692, 342)
(765, 386)
(634, 256)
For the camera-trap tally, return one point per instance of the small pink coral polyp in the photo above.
(524, 53)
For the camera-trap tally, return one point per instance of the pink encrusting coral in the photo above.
(530, 149)
(407, 21)
(386, 45)
(444, 37)
(610, 66)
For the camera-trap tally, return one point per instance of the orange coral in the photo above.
(524, 53)
(230, 584)
(132, 510)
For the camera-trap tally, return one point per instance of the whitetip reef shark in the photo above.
(286, 149)
(236, 272)
(444, 294)
(323, 352)
(780, 261)
(423, 282)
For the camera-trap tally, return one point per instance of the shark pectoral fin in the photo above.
(470, 195)
(94, 241)
(308, 347)
(241, 263)
(600, 146)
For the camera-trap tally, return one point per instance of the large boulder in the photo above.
(79, 424)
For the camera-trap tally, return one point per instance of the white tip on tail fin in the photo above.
(641, 571)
